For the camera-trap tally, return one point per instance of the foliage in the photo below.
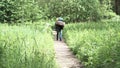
(19, 11)
(71, 10)
(26, 46)
(79, 10)
(95, 44)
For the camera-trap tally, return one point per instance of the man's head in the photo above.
(60, 19)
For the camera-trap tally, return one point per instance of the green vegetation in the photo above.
(97, 45)
(81, 10)
(26, 40)
(19, 11)
(26, 46)
(14, 11)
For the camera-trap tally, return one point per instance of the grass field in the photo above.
(26, 46)
(96, 44)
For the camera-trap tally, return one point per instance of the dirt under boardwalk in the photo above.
(64, 56)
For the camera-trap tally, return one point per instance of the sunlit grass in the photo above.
(96, 44)
(26, 46)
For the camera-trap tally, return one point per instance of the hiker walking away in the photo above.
(59, 25)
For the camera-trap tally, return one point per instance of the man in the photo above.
(59, 25)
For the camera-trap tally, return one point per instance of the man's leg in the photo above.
(57, 35)
(61, 35)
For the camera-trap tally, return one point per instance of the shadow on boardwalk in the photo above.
(65, 57)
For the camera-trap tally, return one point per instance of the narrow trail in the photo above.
(64, 56)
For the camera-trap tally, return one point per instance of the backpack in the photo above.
(60, 23)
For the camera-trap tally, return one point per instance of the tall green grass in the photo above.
(97, 45)
(26, 46)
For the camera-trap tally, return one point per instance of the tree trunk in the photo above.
(117, 6)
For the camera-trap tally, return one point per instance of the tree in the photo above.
(117, 6)
(79, 10)
(19, 11)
